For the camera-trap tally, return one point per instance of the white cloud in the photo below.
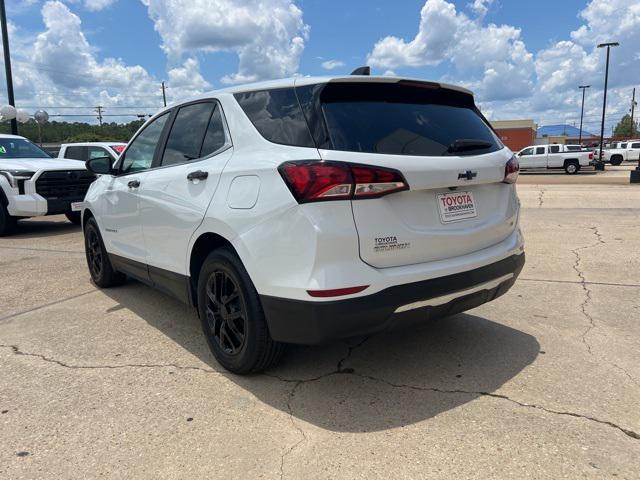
(484, 54)
(332, 64)
(267, 35)
(480, 7)
(511, 82)
(92, 5)
(59, 67)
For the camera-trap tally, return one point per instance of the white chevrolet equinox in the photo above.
(302, 210)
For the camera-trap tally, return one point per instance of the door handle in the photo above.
(198, 175)
(133, 184)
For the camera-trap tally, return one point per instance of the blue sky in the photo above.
(523, 59)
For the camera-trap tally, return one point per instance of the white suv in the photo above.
(33, 184)
(301, 210)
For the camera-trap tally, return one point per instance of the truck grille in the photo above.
(64, 184)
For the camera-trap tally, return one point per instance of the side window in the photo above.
(139, 155)
(187, 133)
(635, 145)
(277, 115)
(526, 151)
(215, 138)
(554, 149)
(97, 152)
(76, 153)
(539, 150)
(623, 145)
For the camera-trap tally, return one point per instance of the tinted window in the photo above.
(539, 150)
(573, 148)
(405, 118)
(187, 133)
(139, 155)
(554, 148)
(215, 137)
(277, 115)
(623, 145)
(635, 145)
(76, 153)
(526, 151)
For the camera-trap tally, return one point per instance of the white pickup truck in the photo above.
(621, 151)
(87, 150)
(555, 156)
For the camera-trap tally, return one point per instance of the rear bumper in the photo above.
(298, 321)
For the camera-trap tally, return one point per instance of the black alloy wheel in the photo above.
(102, 273)
(94, 253)
(226, 312)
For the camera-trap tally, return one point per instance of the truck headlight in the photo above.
(14, 176)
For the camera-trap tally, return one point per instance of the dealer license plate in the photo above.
(456, 206)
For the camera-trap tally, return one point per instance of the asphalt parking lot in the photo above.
(542, 383)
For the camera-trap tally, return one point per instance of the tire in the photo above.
(102, 273)
(232, 319)
(74, 217)
(571, 167)
(7, 222)
(616, 160)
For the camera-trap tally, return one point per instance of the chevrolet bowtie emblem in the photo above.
(468, 175)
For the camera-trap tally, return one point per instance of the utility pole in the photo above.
(633, 108)
(7, 64)
(164, 94)
(98, 110)
(600, 164)
(583, 88)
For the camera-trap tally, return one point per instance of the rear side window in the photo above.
(277, 115)
(623, 145)
(404, 118)
(554, 148)
(187, 133)
(76, 153)
(539, 150)
(635, 145)
(214, 138)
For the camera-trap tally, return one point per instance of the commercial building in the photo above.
(516, 134)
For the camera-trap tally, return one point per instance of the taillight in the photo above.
(511, 170)
(337, 292)
(590, 155)
(321, 180)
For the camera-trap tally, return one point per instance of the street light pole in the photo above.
(600, 165)
(584, 88)
(7, 64)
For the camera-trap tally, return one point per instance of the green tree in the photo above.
(626, 128)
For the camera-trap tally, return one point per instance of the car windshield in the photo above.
(20, 148)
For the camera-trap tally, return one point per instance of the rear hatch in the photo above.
(437, 139)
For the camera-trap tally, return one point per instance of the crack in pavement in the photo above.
(541, 197)
(340, 370)
(296, 383)
(16, 351)
(583, 282)
(626, 431)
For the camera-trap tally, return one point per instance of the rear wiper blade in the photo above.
(464, 144)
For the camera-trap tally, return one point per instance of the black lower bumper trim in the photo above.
(58, 206)
(298, 321)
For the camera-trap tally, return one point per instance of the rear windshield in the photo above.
(404, 118)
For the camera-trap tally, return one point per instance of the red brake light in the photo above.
(590, 155)
(316, 180)
(118, 148)
(511, 170)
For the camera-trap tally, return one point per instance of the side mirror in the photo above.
(100, 165)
